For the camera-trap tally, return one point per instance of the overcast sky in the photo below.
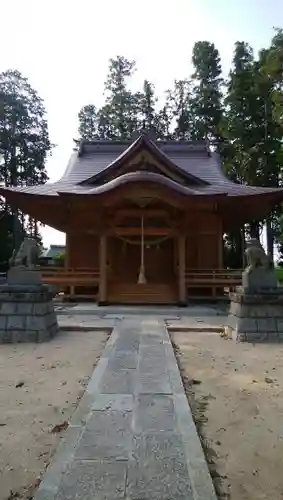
(63, 48)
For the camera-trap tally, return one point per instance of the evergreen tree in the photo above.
(24, 142)
(207, 98)
(122, 106)
(254, 133)
(89, 122)
(271, 90)
(162, 123)
(239, 103)
(147, 103)
(180, 104)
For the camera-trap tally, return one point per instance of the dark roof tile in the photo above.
(193, 158)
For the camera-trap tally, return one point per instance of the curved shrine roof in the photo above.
(201, 169)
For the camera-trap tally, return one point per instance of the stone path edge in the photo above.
(200, 478)
(82, 328)
(200, 329)
(65, 452)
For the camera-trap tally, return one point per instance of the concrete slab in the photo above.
(197, 323)
(133, 434)
(122, 312)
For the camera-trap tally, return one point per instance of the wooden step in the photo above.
(128, 293)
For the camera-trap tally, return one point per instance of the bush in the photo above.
(59, 259)
(279, 273)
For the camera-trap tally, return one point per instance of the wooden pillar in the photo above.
(102, 295)
(67, 253)
(182, 269)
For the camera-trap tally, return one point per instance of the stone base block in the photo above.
(26, 314)
(255, 317)
(22, 275)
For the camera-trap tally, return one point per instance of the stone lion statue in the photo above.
(256, 256)
(27, 255)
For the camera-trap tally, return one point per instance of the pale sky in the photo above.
(63, 48)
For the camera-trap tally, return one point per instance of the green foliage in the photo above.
(179, 106)
(24, 140)
(279, 274)
(89, 122)
(242, 117)
(59, 259)
(24, 147)
(207, 95)
(60, 256)
(7, 224)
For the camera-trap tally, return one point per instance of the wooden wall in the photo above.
(82, 250)
(203, 251)
(204, 243)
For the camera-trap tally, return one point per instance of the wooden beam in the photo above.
(136, 231)
(138, 212)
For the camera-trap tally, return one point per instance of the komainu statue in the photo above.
(27, 255)
(256, 256)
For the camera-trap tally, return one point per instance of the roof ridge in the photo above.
(146, 141)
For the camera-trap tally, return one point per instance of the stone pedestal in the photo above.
(26, 310)
(256, 316)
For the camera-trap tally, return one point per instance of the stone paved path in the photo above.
(132, 436)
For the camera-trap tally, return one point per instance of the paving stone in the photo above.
(152, 366)
(154, 413)
(93, 480)
(151, 340)
(127, 344)
(165, 479)
(157, 446)
(104, 446)
(109, 420)
(153, 384)
(118, 382)
(155, 351)
(124, 402)
(107, 436)
(123, 361)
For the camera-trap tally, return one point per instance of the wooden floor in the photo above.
(83, 284)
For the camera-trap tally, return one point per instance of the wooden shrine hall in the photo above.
(144, 220)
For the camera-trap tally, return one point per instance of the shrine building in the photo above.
(144, 220)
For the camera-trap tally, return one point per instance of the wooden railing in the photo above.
(79, 282)
(83, 282)
(218, 281)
